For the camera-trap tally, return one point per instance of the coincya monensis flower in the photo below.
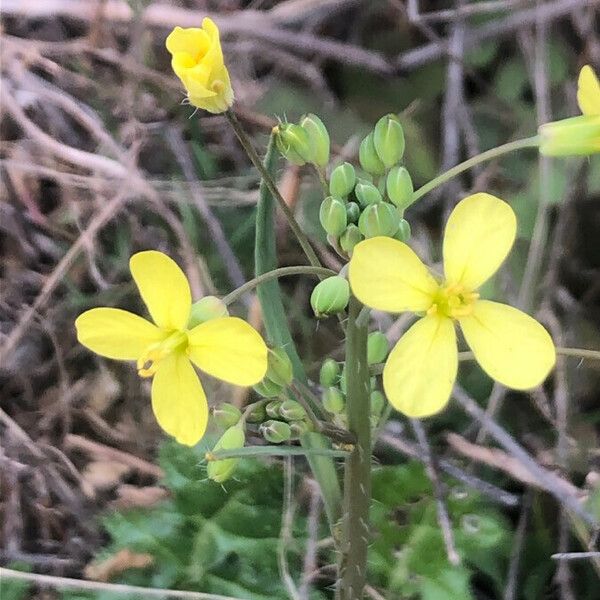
(226, 347)
(197, 60)
(511, 347)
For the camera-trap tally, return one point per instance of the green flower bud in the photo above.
(268, 388)
(377, 348)
(330, 296)
(226, 415)
(276, 432)
(403, 233)
(388, 139)
(272, 408)
(221, 470)
(333, 216)
(329, 373)
(279, 367)
(399, 187)
(379, 219)
(350, 238)
(207, 308)
(293, 143)
(318, 138)
(377, 403)
(333, 400)
(367, 193)
(258, 413)
(368, 157)
(291, 410)
(342, 180)
(577, 136)
(352, 212)
(299, 428)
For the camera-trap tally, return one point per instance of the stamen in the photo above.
(147, 364)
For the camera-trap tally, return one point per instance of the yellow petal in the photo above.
(588, 91)
(511, 347)
(421, 369)
(229, 349)
(116, 333)
(387, 275)
(178, 400)
(479, 234)
(192, 40)
(163, 287)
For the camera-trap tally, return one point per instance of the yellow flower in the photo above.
(510, 346)
(577, 135)
(197, 60)
(226, 348)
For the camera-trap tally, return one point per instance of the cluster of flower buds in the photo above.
(304, 142)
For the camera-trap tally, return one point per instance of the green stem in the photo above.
(275, 274)
(531, 142)
(250, 451)
(357, 476)
(253, 156)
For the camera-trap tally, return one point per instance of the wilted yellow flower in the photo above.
(197, 60)
(226, 347)
(511, 347)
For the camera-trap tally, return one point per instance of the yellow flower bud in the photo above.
(197, 60)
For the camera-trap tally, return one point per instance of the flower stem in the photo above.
(357, 476)
(250, 451)
(531, 142)
(275, 274)
(253, 156)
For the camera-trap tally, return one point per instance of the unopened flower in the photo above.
(511, 347)
(226, 348)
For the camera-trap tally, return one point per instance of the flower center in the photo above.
(147, 364)
(453, 301)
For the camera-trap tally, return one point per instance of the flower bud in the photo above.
(299, 428)
(330, 296)
(329, 373)
(279, 367)
(399, 187)
(275, 432)
(577, 136)
(352, 212)
(350, 238)
(367, 193)
(226, 415)
(342, 180)
(377, 403)
(293, 143)
(333, 216)
(207, 308)
(403, 233)
(258, 413)
(221, 470)
(318, 138)
(368, 157)
(379, 219)
(333, 400)
(272, 408)
(268, 388)
(377, 348)
(291, 410)
(388, 139)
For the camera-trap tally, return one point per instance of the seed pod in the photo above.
(352, 212)
(342, 180)
(379, 219)
(377, 347)
(403, 233)
(330, 296)
(272, 408)
(268, 389)
(318, 137)
(221, 470)
(207, 308)
(367, 193)
(293, 143)
(350, 238)
(333, 216)
(333, 400)
(329, 373)
(275, 432)
(399, 187)
(299, 428)
(279, 367)
(226, 415)
(388, 139)
(368, 157)
(290, 410)
(377, 403)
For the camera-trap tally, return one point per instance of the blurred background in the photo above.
(100, 159)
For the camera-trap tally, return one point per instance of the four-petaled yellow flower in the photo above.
(226, 348)
(511, 347)
(197, 60)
